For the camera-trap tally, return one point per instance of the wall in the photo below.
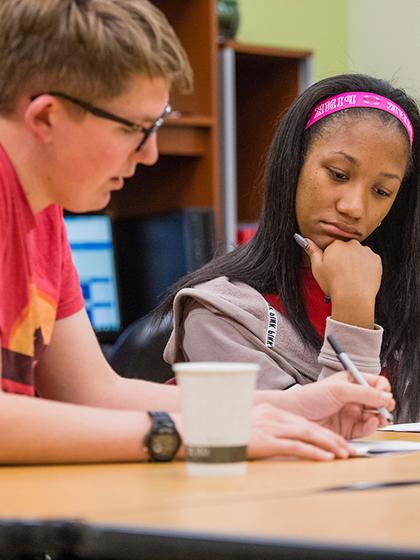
(384, 40)
(380, 37)
(318, 25)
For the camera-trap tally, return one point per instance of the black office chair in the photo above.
(138, 351)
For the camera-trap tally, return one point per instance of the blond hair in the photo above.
(88, 48)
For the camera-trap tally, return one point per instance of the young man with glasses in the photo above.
(84, 86)
(145, 131)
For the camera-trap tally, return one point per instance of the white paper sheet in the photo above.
(375, 448)
(411, 427)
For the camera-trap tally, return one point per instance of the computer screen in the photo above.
(92, 246)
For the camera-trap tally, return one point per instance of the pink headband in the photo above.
(359, 99)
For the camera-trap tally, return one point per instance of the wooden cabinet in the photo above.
(211, 153)
(257, 85)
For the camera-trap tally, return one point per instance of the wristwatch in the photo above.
(163, 440)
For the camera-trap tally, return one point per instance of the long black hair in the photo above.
(271, 262)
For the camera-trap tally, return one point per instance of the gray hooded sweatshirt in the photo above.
(222, 320)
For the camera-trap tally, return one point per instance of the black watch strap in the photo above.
(163, 440)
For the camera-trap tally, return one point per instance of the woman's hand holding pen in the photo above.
(350, 274)
(355, 419)
(338, 403)
(342, 405)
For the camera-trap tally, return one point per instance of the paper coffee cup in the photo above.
(216, 405)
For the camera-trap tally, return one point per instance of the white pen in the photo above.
(300, 240)
(349, 365)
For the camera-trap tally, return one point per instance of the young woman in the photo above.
(343, 172)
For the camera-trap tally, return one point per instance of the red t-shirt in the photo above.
(38, 281)
(316, 305)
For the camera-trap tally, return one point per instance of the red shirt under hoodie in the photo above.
(317, 306)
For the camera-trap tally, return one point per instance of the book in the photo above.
(154, 251)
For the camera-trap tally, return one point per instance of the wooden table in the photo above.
(279, 509)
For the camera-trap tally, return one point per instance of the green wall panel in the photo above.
(317, 25)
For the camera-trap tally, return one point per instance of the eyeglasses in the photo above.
(109, 116)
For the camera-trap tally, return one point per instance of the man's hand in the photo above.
(275, 432)
(278, 433)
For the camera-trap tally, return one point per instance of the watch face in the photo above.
(163, 440)
(163, 444)
(163, 447)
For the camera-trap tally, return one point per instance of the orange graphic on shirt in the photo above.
(38, 315)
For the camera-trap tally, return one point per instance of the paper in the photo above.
(374, 448)
(411, 427)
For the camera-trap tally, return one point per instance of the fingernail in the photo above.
(328, 455)
(386, 396)
(344, 454)
(300, 240)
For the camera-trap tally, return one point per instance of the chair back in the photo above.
(138, 351)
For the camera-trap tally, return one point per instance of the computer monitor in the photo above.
(92, 246)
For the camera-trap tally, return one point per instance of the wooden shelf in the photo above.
(184, 141)
(263, 51)
(184, 120)
(185, 135)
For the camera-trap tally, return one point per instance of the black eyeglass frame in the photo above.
(101, 113)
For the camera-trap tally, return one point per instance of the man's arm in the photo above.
(45, 431)
(73, 369)
(39, 430)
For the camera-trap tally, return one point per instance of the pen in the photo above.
(358, 486)
(349, 365)
(302, 242)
